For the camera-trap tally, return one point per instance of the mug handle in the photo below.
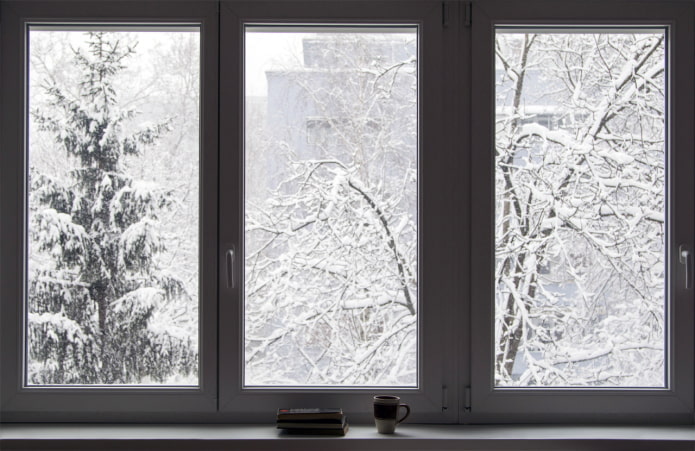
(407, 412)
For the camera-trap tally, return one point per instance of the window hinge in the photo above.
(467, 8)
(445, 14)
(445, 397)
(467, 399)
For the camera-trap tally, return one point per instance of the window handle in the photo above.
(684, 257)
(230, 267)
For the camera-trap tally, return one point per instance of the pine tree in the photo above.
(95, 289)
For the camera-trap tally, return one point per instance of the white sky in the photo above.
(268, 50)
(265, 50)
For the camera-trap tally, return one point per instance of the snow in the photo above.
(580, 243)
(107, 303)
(57, 323)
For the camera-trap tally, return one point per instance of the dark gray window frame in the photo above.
(674, 404)
(89, 404)
(456, 215)
(435, 288)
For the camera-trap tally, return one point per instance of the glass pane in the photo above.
(331, 207)
(112, 277)
(580, 208)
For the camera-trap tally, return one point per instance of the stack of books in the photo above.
(313, 421)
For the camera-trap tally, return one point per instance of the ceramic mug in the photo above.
(386, 413)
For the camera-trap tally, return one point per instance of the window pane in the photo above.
(112, 276)
(331, 207)
(580, 208)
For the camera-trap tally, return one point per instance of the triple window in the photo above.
(215, 210)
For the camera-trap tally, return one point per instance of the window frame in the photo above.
(675, 403)
(20, 403)
(435, 288)
(456, 233)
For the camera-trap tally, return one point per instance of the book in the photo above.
(307, 414)
(340, 431)
(312, 424)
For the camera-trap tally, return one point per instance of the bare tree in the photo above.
(331, 275)
(580, 209)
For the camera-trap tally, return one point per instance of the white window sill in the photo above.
(363, 437)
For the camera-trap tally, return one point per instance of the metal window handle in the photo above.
(230, 267)
(684, 257)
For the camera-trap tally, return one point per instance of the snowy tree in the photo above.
(580, 195)
(331, 238)
(101, 310)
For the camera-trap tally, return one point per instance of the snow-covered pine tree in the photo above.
(98, 302)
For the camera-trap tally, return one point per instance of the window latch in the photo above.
(685, 259)
(230, 267)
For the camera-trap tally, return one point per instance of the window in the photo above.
(112, 248)
(350, 105)
(331, 227)
(569, 325)
(580, 208)
(220, 208)
(107, 296)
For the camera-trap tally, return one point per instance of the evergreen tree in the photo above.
(100, 308)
